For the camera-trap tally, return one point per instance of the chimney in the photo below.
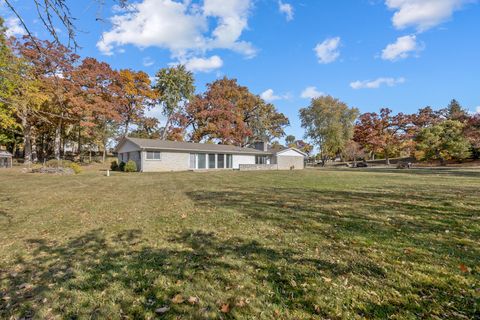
(261, 145)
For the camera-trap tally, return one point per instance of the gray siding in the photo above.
(132, 155)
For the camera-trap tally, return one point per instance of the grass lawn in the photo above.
(316, 244)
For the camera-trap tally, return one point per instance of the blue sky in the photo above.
(402, 54)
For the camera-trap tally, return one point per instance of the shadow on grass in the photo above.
(454, 172)
(419, 218)
(100, 275)
(73, 278)
(95, 276)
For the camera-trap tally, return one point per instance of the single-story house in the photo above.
(152, 155)
(6, 159)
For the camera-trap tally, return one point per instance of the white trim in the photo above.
(294, 149)
(146, 156)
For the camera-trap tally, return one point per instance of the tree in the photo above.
(21, 98)
(289, 140)
(54, 14)
(147, 128)
(8, 122)
(174, 87)
(353, 151)
(303, 146)
(382, 132)
(425, 117)
(329, 123)
(230, 114)
(444, 141)
(454, 111)
(96, 102)
(52, 64)
(472, 133)
(137, 96)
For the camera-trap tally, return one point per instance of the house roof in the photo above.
(5, 154)
(156, 144)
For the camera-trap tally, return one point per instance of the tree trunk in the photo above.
(387, 159)
(14, 148)
(33, 140)
(125, 131)
(79, 149)
(27, 146)
(57, 142)
(165, 130)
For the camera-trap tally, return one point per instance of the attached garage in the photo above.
(290, 159)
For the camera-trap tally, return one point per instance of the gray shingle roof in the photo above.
(5, 154)
(155, 144)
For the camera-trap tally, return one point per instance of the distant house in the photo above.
(158, 155)
(6, 159)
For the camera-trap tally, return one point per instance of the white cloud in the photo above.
(269, 96)
(14, 27)
(402, 48)
(478, 109)
(327, 51)
(375, 84)
(148, 62)
(203, 64)
(286, 9)
(422, 14)
(311, 93)
(181, 27)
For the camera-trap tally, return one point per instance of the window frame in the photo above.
(229, 161)
(211, 156)
(205, 159)
(154, 157)
(223, 157)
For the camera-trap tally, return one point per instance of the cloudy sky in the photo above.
(403, 54)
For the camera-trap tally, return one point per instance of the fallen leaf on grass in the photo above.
(162, 310)
(225, 308)
(463, 268)
(193, 300)
(326, 279)
(24, 286)
(178, 299)
(242, 303)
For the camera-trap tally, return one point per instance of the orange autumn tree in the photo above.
(96, 101)
(230, 114)
(382, 132)
(136, 97)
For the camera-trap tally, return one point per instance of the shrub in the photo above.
(54, 163)
(131, 166)
(114, 165)
(121, 166)
(76, 168)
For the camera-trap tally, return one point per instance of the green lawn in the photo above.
(316, 244)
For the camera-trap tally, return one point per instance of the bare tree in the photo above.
(56, 13)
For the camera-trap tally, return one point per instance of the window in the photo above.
(153, 155)
(220, 161)
(193, 161)
(211, 161)
(202, 161)
(260, 160)
(229, 161)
